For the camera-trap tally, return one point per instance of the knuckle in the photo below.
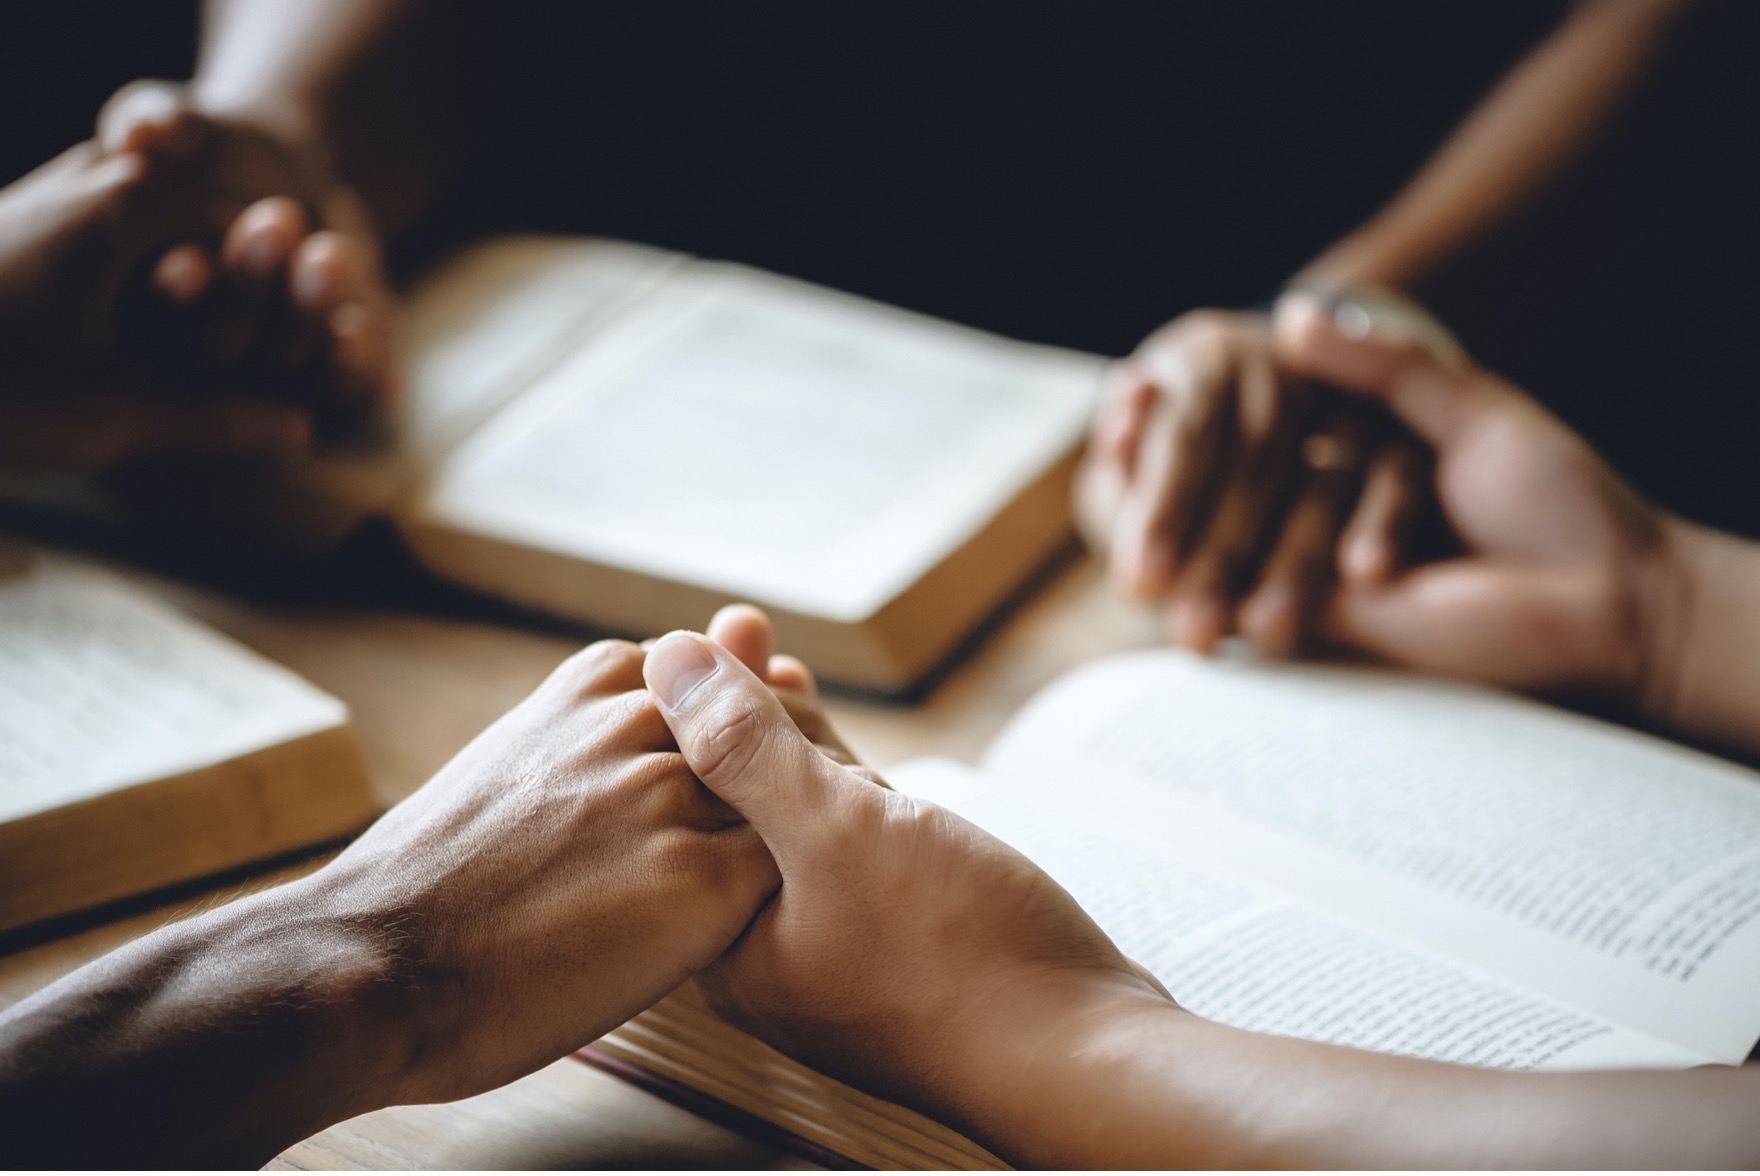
(856, 825)
(1410, 466)
(680, 854)
(1207, 327)
(738, 861)
(645, 716)
(1206, 576)
(870, 775)
(731, 736)
(1197, 416)
(599, 666)
(656, 790)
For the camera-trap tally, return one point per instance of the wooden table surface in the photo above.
(420, 686)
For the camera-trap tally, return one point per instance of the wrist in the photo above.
(329, 990)
(1352, 261)
(1668, 588)
(275, 1020)
(228, 94)
(1039, 1070)
(293, 127)
(1703, 655)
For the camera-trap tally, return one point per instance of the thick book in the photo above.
(139, 748)
(1349, 855)
(631, 438)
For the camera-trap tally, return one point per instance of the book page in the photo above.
(476, 334)
(479, 331)
(770, 440)
(1609, 869)
(103, 686)
(1242, 953)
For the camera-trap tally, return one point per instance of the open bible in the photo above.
(1348, 855)
(632, 438)
(139, 748)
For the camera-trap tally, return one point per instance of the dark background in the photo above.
(1080, 174)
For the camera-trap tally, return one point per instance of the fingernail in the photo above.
(1273, 603)
(1197, 625)
(148, 110)
(1396, 320)
(1365, 558)
(309, 283)
(677, 667)
(1150, 574)
(1353, 319)
(182, 275)
(1269, 619)
(261, 254)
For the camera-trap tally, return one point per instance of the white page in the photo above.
(475, 335)
(1244, 954)
(1609, 869)
(480, 330)
(102, 686)
(772, 440)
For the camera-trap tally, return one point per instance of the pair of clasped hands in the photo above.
(186, 281)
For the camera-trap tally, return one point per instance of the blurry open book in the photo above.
(632, 438)
(1348, 855)
(140, 748)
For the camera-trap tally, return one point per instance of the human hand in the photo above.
(1230, 489)
(73, 234)
(281, 289)
(906, 952)
(1565, 572)
(561, 874)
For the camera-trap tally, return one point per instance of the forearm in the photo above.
(217, 1041)
(1158, 1087)
(1704, 676)
(1524, 139)
(375, 82)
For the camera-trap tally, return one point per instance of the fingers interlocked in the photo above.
(1228, 488)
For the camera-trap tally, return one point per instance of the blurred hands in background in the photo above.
(1267, 476)
(1562, 576)
(1235, 492)
(183, 282)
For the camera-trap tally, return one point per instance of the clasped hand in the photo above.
(647, 816)
(1216, 484)
(184, 280)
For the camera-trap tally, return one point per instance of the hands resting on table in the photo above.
(646, 817)
(1274, 477)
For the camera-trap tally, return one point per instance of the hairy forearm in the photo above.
(217, 1041)
(1158, 1087)
(1524, 139)
(377, 82)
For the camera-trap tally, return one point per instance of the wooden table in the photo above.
(420, 686)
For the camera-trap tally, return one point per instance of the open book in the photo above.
(633, 438)
(1349, 855)
(139, 748)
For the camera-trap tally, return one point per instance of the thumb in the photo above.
(151, 117)
(1398, 354)
(1471, 618)
(737, 738)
